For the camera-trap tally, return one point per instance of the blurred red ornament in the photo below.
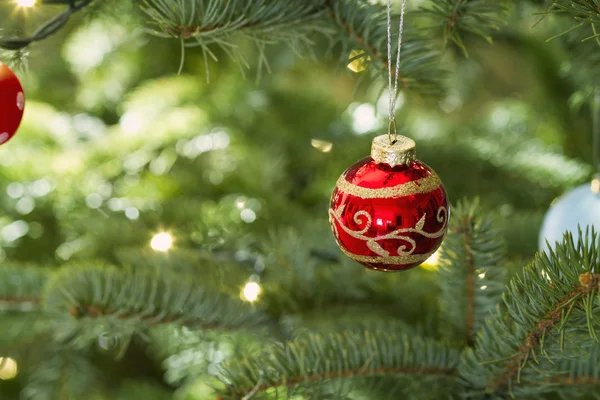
(389, 211)
(12, 103)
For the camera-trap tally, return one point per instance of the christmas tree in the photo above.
(164, 213)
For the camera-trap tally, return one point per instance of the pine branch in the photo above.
(552, 302)
(579, 381)
(348, 25)
(50, 27)
(554, 316)
(21, 287)
(582, 10)
(456, 18)
(203, 23)
(363, 26)
(231, 16)
(472, 275)
(298, 281)
(299, 366)
(24, 322)
(63, 374)
(146, 299)
(586, 13)
(582, 53)
(580, 372)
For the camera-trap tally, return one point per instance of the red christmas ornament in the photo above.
(12, 103)
(389, 211)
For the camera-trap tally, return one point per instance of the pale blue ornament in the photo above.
(577, 207)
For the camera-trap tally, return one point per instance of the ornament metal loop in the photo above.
(392, 141)
(400, 151)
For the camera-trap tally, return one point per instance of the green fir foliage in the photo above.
(457, 18)
(550, 317)
(122, 297)
(473, 273)
(314, 362)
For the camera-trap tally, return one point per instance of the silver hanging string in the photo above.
(394, 97)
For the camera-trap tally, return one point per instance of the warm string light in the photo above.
(161, 242)
(8, 368)
(25, 3)
(251, 291)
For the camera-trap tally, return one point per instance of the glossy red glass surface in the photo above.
(12, 103)
(389, 232)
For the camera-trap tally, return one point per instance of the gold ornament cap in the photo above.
(400, 151)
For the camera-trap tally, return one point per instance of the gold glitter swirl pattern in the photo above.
(423, 185)
(410, 259)
(405, 252)
(357, 220)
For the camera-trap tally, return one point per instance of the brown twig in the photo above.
(589, 282)
(14, 301)
(78, 312)
(362, 372)
(455, 15)
(186, 32)
(578, 381)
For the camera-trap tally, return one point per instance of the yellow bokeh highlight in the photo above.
(432, 263)
(25, 3)
(322, 145)
(251, 291)
(8, 368)
(162, 242)
(596, 185)
(359, 64)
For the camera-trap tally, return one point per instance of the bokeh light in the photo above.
(322, 145)
(596, 185)
(8, 368)
(248, 215)
(25, 3)
(364, 118)
(251, 291)
(432, 263)
(359, 64)
(161, 242)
